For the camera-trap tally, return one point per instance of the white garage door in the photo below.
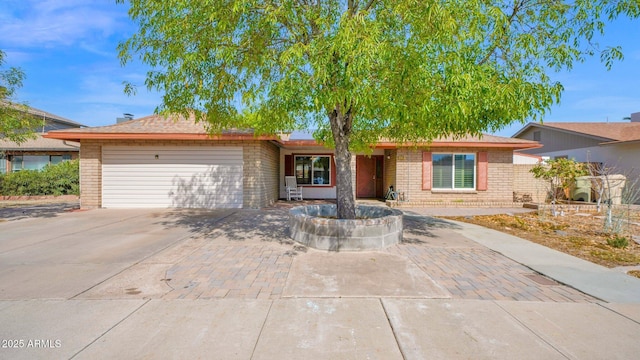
(182, 177)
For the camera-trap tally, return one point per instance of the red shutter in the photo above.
(288, 165)
(426, 170)
(483, 167)
(333, 170)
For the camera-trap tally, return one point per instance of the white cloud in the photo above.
(54, 23)
(14, 58)
(107, 89)
(576, 83)
(96, 50)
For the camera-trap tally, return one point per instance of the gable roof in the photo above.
(180, 128)
(604, 131)
(46, 116)
(38, 144)
(154, 127)
(53, 117)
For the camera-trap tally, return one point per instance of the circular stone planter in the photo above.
(316, 226)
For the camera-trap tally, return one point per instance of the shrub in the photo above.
(561, 173)
(59, 179)
(618, 242)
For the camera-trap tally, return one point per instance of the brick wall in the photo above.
(499, 177)
(524, 182)
(390, 158)
(90, 174)
(260, 168)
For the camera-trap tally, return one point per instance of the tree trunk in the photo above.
(341, 125)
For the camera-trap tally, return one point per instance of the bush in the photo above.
(59, 179)
(618, 242)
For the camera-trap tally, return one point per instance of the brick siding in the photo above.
(525, 183)
(390, 159)
(408, 176)
(90, 174)
(261, 168)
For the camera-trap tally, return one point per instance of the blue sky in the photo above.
(67, 48)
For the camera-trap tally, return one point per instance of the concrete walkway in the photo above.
(231, 285)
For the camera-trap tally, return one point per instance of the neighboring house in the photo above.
(613, 144)
(173, 162)
(520, 158)
(35, 154)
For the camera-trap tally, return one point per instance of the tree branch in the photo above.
(369, 5)
(516, 8)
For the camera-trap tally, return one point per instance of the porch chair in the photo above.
(293, 190)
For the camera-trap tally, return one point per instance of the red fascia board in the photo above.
(301, 143)
(393, 145)
(153, 136)
(439, 144)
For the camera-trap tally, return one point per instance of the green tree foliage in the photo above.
(58, 179)
(15, 123)
(561, 173)
(362, 70)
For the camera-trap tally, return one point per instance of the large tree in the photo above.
(361, 70)
(15, 122)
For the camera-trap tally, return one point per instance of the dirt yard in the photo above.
(581, 234)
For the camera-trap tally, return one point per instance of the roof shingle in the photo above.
(629, 131)
(38, 144)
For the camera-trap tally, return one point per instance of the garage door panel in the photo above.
(181, 176)
(197, 177)
(174, 162)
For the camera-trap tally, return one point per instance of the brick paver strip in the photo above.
(231, 271)
(480, 273)
(259, 269)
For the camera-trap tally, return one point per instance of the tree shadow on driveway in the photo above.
(270, 225)
(418, 226)
(20, 211)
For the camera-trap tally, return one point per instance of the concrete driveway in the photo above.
(231, 285)
(63, 256)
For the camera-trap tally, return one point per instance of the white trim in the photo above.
(313, 184)
(453, 172)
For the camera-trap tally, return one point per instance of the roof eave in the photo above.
(24, 149)
(525, 128)
(74, 136)
(443, 144)
(302, 143)
(621, 142)
(567, 131)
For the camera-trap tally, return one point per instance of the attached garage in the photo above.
(172, 176)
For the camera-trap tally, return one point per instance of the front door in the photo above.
(369, 176)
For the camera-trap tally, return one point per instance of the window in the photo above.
(454, 171)
(313, 170)
(56, 159)
(536, 136)
(36, 162)
(3, 164)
